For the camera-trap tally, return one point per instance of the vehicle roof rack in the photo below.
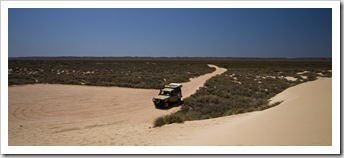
(173, 85)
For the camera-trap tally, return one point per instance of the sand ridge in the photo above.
(304, 118)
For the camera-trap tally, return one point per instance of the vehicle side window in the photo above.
(173, 93)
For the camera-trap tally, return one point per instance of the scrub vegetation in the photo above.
(123, 73)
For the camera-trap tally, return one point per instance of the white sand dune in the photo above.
(304, 118)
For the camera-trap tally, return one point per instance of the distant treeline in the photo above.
(165, 58)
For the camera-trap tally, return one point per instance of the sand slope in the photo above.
(304, 118)
(46, 114)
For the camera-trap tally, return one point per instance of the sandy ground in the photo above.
(80, 115)
(45, 114)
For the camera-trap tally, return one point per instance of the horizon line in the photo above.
(169, 57)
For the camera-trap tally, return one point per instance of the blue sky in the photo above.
(171, 32)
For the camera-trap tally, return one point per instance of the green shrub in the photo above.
(168, 119)
(159, 122)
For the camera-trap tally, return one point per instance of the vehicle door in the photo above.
(174, 96)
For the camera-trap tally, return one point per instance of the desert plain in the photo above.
(75, 115)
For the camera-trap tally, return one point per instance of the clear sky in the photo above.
(171, 32)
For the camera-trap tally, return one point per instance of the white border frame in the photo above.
(334, 149)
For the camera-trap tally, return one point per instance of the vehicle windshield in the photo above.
(165, 93)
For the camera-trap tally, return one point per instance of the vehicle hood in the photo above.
(161, 97)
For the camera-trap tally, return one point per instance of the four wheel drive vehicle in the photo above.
(172, 93)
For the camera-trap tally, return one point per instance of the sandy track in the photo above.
(46, 114)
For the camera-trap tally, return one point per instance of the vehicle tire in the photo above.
(166, 105)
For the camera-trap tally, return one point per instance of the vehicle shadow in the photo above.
(177, 104)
